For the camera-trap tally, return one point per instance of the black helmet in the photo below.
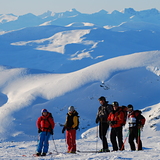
(115, 104)
(130, 106)
(102, 98)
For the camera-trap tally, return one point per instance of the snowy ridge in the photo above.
(4, 18)
(67, 49)
(58, 41)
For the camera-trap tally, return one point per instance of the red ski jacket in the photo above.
(45, 123)
(118, 117)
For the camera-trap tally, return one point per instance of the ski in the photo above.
(88, 151)
(35, 155)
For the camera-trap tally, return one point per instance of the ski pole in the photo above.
(38, 139)
(54, 145)
(96, 137)
(65, 142)
(138, 139)
(124, 141)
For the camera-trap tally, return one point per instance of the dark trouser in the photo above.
(116, 132)
(134, 133)
(103, 127)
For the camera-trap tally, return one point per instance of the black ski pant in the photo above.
(116, 133)
(103, 128)
(134, 133)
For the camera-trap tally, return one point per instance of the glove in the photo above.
(51, 132)
(113, 122)
(39, 131)
(140, 126)
(97, 120)
(63, 129)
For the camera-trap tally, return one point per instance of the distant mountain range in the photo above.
(69, 41)
(102, 18)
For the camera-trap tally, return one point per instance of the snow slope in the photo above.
(128, 79)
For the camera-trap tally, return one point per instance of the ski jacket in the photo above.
(135, 119)
(45, 123)
(103, 112)
(117, 117)
(71, 120)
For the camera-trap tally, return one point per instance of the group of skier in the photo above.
(115, 117)
(108, 115)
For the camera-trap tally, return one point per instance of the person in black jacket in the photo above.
(71, 125)
(102, 115)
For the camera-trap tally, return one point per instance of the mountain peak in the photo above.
(46, 14)
(71, 13)
(102, 12)
(129, 11)
(4, 18)
(73, 10)
(152, 11)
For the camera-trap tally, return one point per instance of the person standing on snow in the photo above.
(116, 120)
(102, 114)
(45, 125)
(71, 125)
(136, 122)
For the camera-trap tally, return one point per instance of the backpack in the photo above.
(139, 117)
(77, 127)
(124, 110)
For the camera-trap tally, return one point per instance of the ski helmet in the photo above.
(44, 110)
(71, 109)
(115, 103)
(130, 107)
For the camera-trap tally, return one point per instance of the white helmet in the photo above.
(70, 109)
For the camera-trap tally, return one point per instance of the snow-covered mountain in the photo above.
(101, 18)
(77, 43)
(4, 18)
(87, 56)
(65, 49)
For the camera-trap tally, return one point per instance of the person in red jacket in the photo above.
(116, 119)
(136, 121)
(45, 125)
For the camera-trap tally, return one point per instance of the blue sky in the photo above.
(37, 7)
